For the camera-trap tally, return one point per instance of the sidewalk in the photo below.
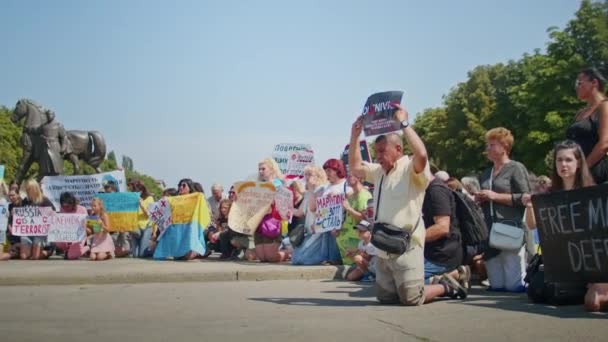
(127, 270)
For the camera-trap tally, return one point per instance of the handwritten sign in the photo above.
(253, 201)
(378, 113)
(84, 187)
(67, 228)
(160, 214)
(283, 199)
(573, 231)
(122, 210)
(31, 221)
(293, 158)
(329, 213)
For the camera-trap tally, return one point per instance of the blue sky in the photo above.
(205, 89)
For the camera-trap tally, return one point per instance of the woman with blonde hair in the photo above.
(320, 248)
(267, 247)
(502, 188)
(34, 246)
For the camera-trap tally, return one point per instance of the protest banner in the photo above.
(293, 158)
(121, 208)
(283, 199)
(378, 113)
(2, 168)
(3, 222)
(160, 214)
(31, 221)
(67, 228)
(573, 231)
(329, 213)
(84, 187)
(253, 201)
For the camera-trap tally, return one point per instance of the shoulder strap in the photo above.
(491, 202)
(378, 202)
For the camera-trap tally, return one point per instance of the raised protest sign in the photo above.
(67, 228)
(160, 214)
(293, 158)
(378, 113)
(573, 230)
(3, 222)
(253, 201)
(84, 187)
(31, 221)
(283, 199)
(1, 172)
(122, 210)
(329, 213)
(365, 155)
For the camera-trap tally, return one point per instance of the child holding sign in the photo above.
(102, 247)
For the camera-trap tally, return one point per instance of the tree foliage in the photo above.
(534, 97)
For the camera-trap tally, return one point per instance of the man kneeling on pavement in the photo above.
(400, 183)
(443, 252)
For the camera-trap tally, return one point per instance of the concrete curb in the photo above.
(131, 271)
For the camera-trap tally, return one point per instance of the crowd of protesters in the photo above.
(406, 195)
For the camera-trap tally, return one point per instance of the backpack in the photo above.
(471, 221)
(541, 291)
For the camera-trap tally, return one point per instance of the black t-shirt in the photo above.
(439, 201)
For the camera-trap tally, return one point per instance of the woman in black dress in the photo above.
(590, 126)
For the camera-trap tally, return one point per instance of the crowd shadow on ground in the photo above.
(364, 294)
(518, 302)
(360, 294)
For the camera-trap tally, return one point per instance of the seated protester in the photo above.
(13, 241)
(121, 240)
(35, 246)
(365, 256)
(140, 238)
(354, 206)
(217, 195)
(442, 245)
(267, 243)
(3, 239)
(69, 205)
(232, 194)
(220, 239)
(570, 171)
(102, 245)
(182, 243)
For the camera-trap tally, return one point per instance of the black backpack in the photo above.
(471, 222)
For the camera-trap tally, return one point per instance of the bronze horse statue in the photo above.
(45, 141)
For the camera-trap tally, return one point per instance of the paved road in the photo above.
(285, 310)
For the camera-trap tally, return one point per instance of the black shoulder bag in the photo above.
(388, 237)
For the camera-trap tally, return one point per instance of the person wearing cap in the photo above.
(364, 256)
(400, 183)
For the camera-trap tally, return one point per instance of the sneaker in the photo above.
(485, 283)
(453, 289)
(464, 276)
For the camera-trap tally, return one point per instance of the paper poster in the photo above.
(253, 201)
(283, 199)
(378, 113)
(31, 221)
(160, 214)
(67, 228)
(573, 231)
(84, 187)
(293, 158)
(2, 168)
(329, 213)
(3, 222)
(121, 208)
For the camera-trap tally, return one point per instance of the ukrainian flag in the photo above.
(121, 208)
(190, 216)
